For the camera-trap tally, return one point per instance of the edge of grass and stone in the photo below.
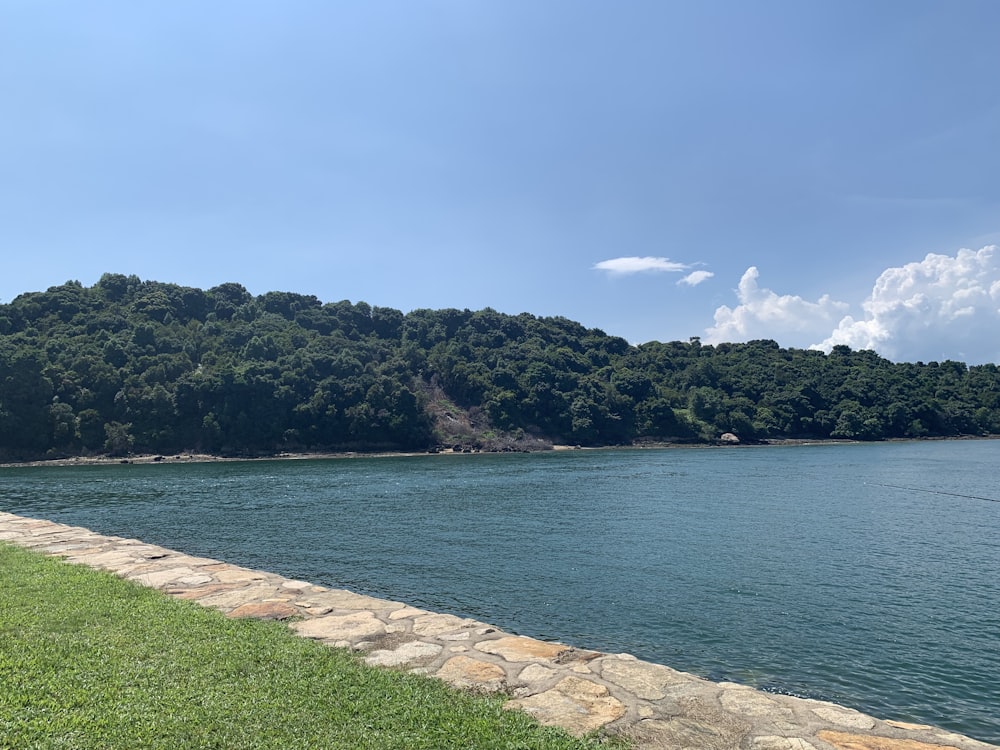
(88, 659)
(650, 705)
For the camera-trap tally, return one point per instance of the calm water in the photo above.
(789, 568)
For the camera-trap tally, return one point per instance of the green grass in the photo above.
(88, 660)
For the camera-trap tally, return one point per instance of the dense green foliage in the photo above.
(88, 660)
(130, 365)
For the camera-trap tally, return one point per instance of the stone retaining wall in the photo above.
(579, 690)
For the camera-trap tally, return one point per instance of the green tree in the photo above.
(118, 439)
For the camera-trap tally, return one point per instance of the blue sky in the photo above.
(816, 173)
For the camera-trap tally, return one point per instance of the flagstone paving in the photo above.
(580, 690)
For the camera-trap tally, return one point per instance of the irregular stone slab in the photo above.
(195, 580)
(353, 627)
(314, 609)
(49, 546)
(572, 654)
(749, 702)
(43, 528)
(201, 591)
(774, 742)
(107, 560)
(518, 648)
(466, 672)
(575, 704)
(908, 725)
(58, 548)
(41, 525)
(342, 599)
(145, 551)
(213, 566)
(581, 689)
(265, 611)
(238, 575)
(845, 741)
(43, 535)
(159, 578)
(395, 635)
(237, 597)
(536, 673)
(207, 564)
(552, 708)
(844, 717)
(54, 531)
(688, 733)
(432, 624)
(408, 612)
(407, 654)
(642, 678)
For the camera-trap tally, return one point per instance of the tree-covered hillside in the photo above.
(130, 365)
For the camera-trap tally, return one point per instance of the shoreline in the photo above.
(577, 689)
(186, 457)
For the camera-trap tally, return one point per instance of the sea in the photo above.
(863, 574)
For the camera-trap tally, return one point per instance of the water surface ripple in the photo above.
(793, 569)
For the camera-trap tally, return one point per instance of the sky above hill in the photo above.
(813, 173)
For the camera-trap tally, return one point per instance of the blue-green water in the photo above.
(789, 568)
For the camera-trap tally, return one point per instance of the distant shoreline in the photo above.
(190, 457)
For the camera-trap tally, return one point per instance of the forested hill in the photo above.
(130, 365)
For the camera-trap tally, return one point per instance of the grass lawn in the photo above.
(88, 660)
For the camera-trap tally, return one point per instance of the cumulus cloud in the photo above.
(634, 264)
(762, 314)
(696, 277)
(942, 307)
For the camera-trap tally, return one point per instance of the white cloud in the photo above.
(633, 264)
(762, 314)
(939, 308)
(696, 277)
(942, 307)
